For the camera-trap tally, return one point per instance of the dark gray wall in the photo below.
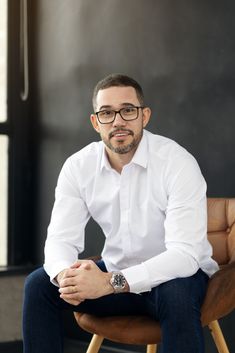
(182, 52)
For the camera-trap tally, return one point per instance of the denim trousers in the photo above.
(175, 304)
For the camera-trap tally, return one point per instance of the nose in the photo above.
(118, 121)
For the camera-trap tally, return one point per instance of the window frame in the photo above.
(20, 249)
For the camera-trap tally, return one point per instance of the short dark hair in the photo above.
(118, 80)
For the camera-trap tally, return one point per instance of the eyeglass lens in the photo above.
(129, 113)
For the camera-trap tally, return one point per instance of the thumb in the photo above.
(81, 263)
(76, 264)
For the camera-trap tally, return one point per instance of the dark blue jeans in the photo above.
(175, 304)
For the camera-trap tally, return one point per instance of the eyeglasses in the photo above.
(108, 116)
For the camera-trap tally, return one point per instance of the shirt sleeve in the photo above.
(185, 229)
(65, 236)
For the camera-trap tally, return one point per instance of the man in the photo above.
(149, 197)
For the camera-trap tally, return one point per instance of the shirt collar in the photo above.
(104, 160)
(140, 156)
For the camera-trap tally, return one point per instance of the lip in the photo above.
(120, 137)
(120, 134)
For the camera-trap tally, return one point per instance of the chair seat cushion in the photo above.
(123, 329)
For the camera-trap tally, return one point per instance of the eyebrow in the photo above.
(111, 107)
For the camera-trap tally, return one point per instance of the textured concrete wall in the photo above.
(11, 297)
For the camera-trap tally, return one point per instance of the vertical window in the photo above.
(3, 198)
(3, 136)
(3, 60)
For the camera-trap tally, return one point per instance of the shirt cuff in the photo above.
(137, 278)
(54, 270)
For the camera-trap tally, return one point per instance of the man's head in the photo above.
(120, 115)
(117, 80)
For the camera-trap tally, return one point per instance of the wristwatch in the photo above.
(118, 282)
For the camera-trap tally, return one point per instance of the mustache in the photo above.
(111, 134)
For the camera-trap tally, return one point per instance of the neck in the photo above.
(117, 160)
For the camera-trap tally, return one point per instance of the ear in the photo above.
(94, 122)
(146, 115)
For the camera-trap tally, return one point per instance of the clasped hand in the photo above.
(83, 280)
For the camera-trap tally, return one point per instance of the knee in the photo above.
(177, 300)
(35, 282)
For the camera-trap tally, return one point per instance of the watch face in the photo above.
(118, 282)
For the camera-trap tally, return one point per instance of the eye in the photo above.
(129, 110)
(105, 113)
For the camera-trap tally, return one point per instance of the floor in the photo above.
(74, 346)
(71, 346)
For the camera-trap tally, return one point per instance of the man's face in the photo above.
(120, 136)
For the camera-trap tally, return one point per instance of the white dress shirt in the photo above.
(153, 214)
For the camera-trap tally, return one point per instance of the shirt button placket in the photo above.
(124, 209)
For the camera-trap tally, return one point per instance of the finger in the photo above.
(76, 264)
(71, 272)
(68, 290)
(73, 296)
(81, 263)
(66, 282)
(73, 302)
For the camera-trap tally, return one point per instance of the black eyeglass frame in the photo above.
(119, 112)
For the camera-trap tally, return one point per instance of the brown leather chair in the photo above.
(219, 300)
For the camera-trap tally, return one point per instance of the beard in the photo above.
(122, 149)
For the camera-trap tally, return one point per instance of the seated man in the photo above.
(149, 197)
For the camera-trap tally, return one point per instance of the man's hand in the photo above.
(84, 280)
(59, 278)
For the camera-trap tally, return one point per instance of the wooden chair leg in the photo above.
(151, 348)
(95, 344)
(218, 337)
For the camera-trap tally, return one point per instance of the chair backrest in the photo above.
(221, 228)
